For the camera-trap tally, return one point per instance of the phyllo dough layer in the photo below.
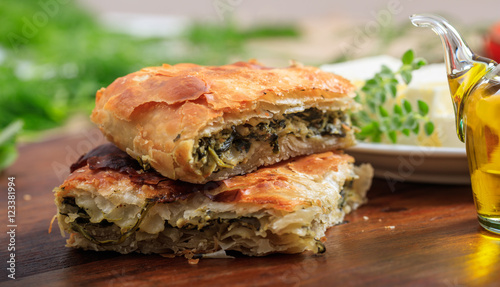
(109, 202)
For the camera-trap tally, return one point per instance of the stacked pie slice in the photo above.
(206, 159)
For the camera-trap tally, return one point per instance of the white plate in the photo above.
(400, 163)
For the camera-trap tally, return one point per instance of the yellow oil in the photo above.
(460, 87)
(477, 103)
(482, 142)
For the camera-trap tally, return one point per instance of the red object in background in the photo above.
(492, 43)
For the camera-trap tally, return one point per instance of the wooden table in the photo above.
(418, 235)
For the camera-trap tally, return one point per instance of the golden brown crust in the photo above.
(159, 112)
(220, 88)
(107, 182)
(283, 186)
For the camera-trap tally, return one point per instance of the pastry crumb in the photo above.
(193, 261)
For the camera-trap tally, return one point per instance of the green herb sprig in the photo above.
(375, 120)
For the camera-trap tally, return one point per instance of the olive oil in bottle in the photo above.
(474, 84)
(479, 114)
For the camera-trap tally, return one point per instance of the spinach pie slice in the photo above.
(206, 123)
(109, 202)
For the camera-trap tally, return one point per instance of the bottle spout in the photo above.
(465, 70)
(458, 56)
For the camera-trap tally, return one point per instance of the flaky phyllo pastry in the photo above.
(110, 202)
(199, 123)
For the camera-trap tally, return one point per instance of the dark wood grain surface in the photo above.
(418, 235)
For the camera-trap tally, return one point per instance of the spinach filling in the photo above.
(91, 231)
(343, 194)
(244, 221)
(218, 151)
(82, 223)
